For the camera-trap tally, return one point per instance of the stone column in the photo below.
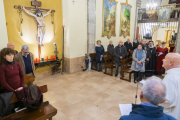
(177, 45)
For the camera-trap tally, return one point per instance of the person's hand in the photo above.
(147, 59)
(20, 88)
(101, 55)
(129, 50)
(139, 62)
(120, 57)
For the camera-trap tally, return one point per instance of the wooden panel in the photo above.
(28, 79)
(156, 20)
(36, 3)
(42, 88)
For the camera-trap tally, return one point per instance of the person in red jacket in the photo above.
(11, 74)
(162, 51)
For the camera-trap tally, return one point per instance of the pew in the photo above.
(109, 63)
(93, 60)
(46, 111)
(126, 69)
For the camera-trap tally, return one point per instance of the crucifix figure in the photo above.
(41, 23)
(73, 2)
(40, 20)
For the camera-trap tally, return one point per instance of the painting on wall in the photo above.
(164, 13)
(109, 18)
(125, 19)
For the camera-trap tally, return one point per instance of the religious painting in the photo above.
(164, 13)
(109, 18)
(125, 19)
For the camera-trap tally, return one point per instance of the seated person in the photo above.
(12, 77)
(153, 93)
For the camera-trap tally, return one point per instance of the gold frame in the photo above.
(121, 34)
(108, 35)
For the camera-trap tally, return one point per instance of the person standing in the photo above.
(138, 64)
(128, 46)
(12, 46)
(120, 53)
(172, 82)
(135, 44)
(99, 55)
(11, 74)
(151, 60)
(161, 51)
(144, 45)
(26, 61)
(110, 48)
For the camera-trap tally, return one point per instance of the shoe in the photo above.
(98, 70)
(116, 75)
(134, 81)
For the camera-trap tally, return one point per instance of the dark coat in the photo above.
(142, 112)
(135, 45)
(128, 46)
(5, 99)
(119, 51)
(25, 96)
(99, 52)
(110, 49)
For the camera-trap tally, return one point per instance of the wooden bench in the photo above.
(46, 111)
(126, 69)
(109, 63)
(93, 60)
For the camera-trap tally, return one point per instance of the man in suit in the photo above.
(26, 61)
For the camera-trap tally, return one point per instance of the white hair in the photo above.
(144, 39)
(110, 41)
(154, 90)
(24, 47)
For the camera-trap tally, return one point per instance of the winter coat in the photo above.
(135, 59)
(110, 49)
(99, 52)
(128, 46)
(142, 112)
(120, 51)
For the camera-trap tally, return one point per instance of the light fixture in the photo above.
(54, 43)
(151, 8)
(56, 52)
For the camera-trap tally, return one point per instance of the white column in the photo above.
(3, 29)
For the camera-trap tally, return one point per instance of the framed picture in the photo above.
(109, 18)
(164, 13)
(125, 19)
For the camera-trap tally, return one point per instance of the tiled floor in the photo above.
(88, 95)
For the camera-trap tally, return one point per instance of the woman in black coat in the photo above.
(99, 55)
(110, 48)
(135, 44)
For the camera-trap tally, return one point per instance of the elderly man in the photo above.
(144, 45)
(11, 45)
(172, 82)
(110, 48)
(128, 46)
(153, 93)
(120, 53)
(26, 61)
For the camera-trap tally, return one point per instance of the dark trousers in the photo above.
(99, 66)
(117, 68)
(138, 74)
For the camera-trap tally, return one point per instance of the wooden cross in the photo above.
(73, 2)
(36, 4)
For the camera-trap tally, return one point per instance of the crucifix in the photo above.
(73, 2)
(41, 28)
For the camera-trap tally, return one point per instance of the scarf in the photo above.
(139, 56)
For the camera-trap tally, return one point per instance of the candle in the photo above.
(54, 57)
(47, 58)
(39, 60)
(51, 58)
(36, 60)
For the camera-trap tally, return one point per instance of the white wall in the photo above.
(75, 21)
(105, 40)
(3, 29)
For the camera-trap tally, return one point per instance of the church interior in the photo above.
(89, 59)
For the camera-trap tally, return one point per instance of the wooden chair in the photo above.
(28, 79)
(46, 111)
(126, 69)
(93, 61)
(108, 64)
